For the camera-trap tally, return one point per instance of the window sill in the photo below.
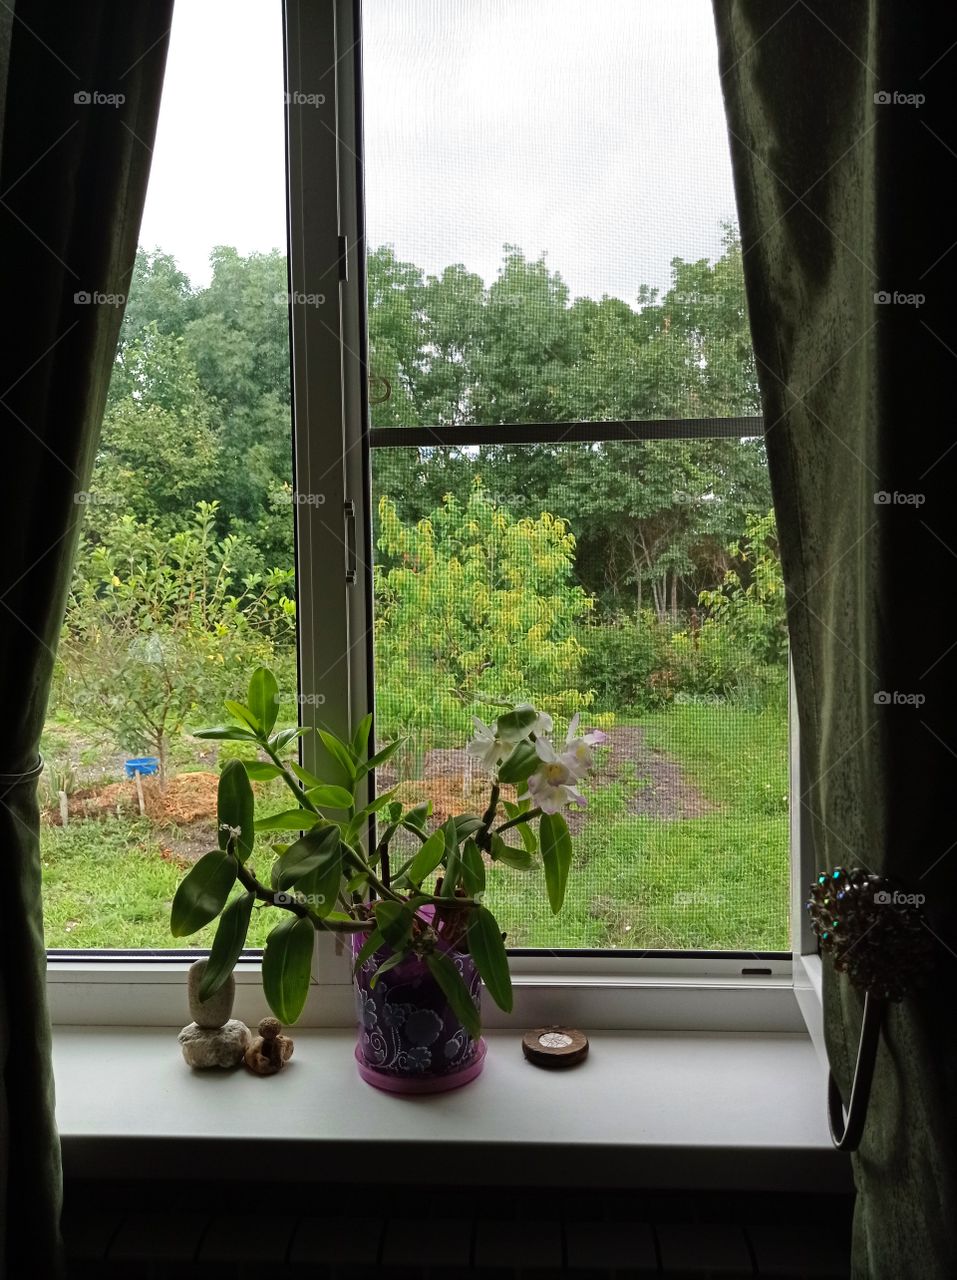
(647, 1109)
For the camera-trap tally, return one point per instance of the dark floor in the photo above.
(155, 1231)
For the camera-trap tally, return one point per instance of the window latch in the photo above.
(349, 508)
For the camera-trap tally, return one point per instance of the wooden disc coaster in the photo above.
(555, 1046)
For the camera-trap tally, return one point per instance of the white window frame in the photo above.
(714, 991)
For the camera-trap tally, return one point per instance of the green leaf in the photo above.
(360, 739)
(488, 952)
(320, 887)
(225, 733)
(263, 698)
(453, 863)
(287, 967)
(326, 796)
(244, 714)
(416, 818)
(427, 858)
(279, 741)
(394, 920)
(371, 945)
(388, 963)
(556, 855)
(379, 758)
(520, 765)
(473, 869)
(227, 945)
(456, 992)
(261, 771)
(466, 824)
(514, 725)
(305, 776)
(520, 859)
(527, 837)
(235, 808)
(289, 820)
(202, 893)
(314, 849)
(339, 752)
(359, 820)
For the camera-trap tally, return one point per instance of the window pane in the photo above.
(550, 214)
(638, 584)
(184, 576)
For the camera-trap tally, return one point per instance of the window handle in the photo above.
(350, 530)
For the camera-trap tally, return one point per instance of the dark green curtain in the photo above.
(843, 133)
(79, 95)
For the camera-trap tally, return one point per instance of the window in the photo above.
(570, 497)
(527, 455)
(184, 575)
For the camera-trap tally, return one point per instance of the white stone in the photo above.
(216, 1011)
(215, 1046)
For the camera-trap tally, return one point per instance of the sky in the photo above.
(592, 133)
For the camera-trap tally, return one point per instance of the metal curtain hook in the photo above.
(846, 1132)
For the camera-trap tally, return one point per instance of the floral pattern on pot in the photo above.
(406, 1026)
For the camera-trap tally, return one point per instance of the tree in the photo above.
(477, 604)
(160, 446)
(157, 630)
(750, 602)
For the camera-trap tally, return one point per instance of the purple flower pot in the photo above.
(409, 1039)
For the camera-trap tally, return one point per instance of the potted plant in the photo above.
(423, 938)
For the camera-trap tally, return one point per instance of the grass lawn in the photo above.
(714, 881)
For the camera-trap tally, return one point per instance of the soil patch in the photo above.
(654, 784)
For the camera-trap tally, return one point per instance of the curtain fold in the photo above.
(843, 133)
(79, 96)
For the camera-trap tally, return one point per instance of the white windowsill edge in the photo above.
(646, 1109)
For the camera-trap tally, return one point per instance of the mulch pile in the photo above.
(189, 798)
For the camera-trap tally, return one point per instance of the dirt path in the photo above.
(184, 819)
(655, 786)
(661, 790)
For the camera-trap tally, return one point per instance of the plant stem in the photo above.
(488, 817)
(515, 822)
(290, 779)
(249, 882)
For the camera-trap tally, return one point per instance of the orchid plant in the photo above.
(341, 874)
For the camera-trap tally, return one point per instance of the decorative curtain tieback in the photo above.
(875, 933)
(10, 780)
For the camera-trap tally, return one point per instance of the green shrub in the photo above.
(628, 662)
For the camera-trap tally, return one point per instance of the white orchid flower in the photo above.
(486, 747)
(552, 786)
(577, 754)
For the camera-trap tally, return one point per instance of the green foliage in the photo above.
(750, 603)
(306, 877)
(227, 945)
(629, 661)
(501, 611)
(157, 629)
(203, 893)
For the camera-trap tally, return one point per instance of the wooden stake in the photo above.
(64, 808)
(139, 791)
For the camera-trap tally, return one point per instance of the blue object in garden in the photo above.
(144, 765)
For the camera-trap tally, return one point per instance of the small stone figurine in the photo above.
(270, 1050)
(213, 1038)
